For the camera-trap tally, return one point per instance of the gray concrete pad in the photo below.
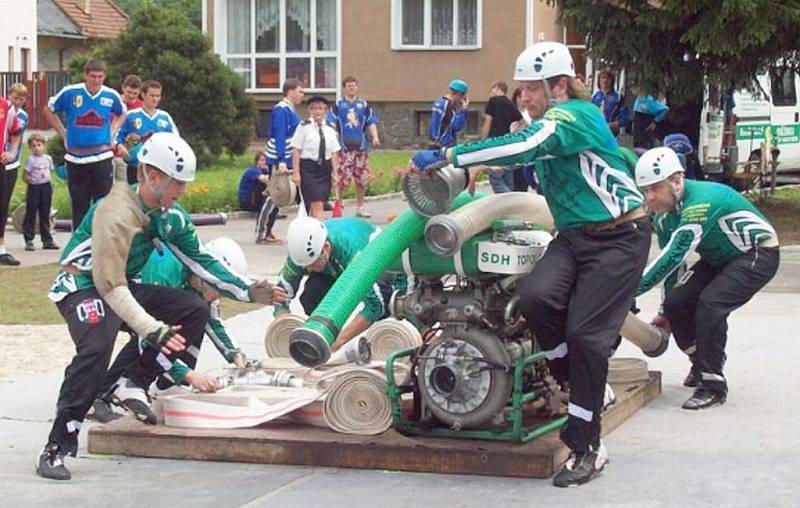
(744, 453)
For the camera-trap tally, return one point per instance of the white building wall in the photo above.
(17, 33)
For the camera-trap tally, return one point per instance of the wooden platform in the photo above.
(301, 445)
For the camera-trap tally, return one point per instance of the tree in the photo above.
(192, 9)
(205, 98)
(670, 44)
(672, 47)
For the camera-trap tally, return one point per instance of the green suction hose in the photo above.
(309, 345)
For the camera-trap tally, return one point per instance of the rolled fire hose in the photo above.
(627, 370)
(310, 344)
(652, 340)
(276, 339)
(390, 335)
(356, 403)
(445, 234)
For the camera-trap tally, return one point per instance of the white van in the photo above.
(773, 102)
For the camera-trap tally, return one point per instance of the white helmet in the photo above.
(305, 238)
(657, 165)
(544, 60)
(230, 252)
(171, 154)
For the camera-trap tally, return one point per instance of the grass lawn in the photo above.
(783, 210)
(30, 304)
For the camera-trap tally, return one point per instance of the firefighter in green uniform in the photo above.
(164, 269)
(96, 290)
(322, 250)
(577, 296)
(738, 251)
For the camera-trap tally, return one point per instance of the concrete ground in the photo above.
(744, 453)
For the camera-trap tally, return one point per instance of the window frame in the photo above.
(281, 54)
(427, 35)
(784, 98)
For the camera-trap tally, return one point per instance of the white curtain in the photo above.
(267, 26)
(326, 25)
(298, 25)
(467, 22)
(413, 17)
(442, 22)
(238, 26)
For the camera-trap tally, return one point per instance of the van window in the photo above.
(783, 89)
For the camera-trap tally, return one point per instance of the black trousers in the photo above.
(8, 179)
(38, 199)
(93, 327)
(87, 183)
(575, 301)
(698, 309)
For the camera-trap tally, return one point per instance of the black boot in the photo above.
(581, 467)
(692, 379)
(704, 398)
(51, 464)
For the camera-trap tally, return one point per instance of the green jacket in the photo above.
(582, 172)
(172, 228)
(713, 220)
(164, 269)
(347, 236)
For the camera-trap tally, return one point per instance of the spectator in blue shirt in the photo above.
(449, 115)
(647, 112)
(611, 103)
(88, 130)
(282, 124)
(253, 184)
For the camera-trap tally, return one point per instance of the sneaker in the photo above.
(581, 467)
(704, 398)
(609, 397)
(8, 260)
(692, 379)
(132, 397)
(363, 213)
(50, 246)
(51, 464)
(102, 412)
(29, 246)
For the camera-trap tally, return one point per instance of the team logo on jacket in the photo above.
(90, 119)
(137, 123)
(91, 310)
(77, 101)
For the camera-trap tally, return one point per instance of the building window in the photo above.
(436, 24)
(269, 41)
(783, 91)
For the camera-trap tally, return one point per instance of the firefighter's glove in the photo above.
(429, 160)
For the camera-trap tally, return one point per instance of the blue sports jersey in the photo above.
(22, 118)
(446, 122)
(282, 125)
(647, 105)
(139, 122)
(351, 119)
(87, 121)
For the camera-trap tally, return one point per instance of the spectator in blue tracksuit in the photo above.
(253, 184)
(449, 115)
(282, 124)
(611, 103)
(647, 112)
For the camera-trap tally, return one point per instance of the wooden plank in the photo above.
(288, 443)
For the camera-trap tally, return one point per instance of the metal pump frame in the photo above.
(516, 431)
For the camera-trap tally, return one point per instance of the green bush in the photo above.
(205, 98)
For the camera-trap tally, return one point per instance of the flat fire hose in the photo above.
(390, 335)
